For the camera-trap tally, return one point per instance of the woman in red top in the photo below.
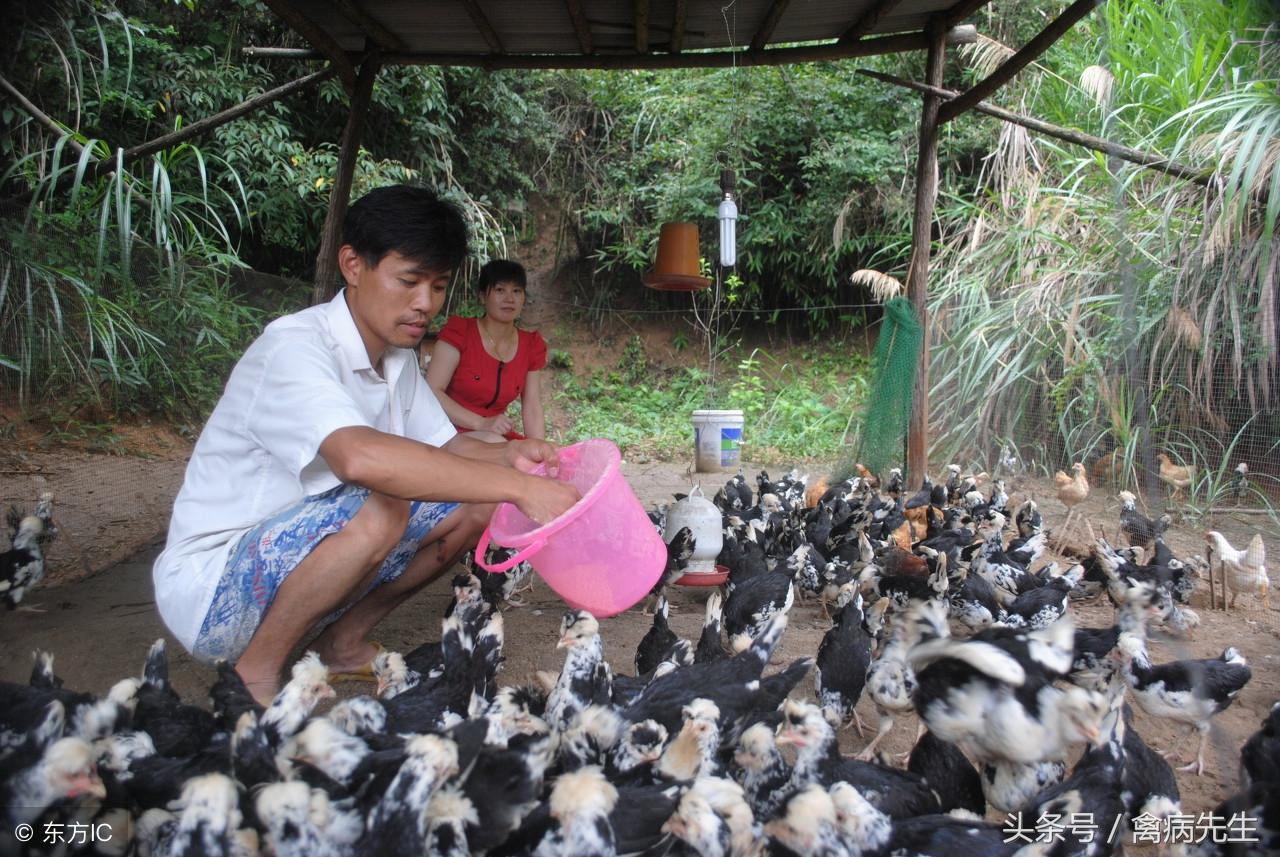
(480, 365)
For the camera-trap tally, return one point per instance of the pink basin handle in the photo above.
(521, 555)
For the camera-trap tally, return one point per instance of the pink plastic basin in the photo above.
(603, 554)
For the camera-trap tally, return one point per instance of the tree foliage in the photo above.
(818, 153)
(144, 254)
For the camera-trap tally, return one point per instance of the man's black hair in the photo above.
(411, 221)
(501, 271)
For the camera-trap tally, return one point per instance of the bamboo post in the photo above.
(327, 257)
(39, 115)
(1213, 595)
(918, 268)
(99, 167)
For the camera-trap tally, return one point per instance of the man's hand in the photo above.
(545, 499)
(501, 424)
(526, 454)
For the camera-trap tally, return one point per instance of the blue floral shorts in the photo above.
(266, 555)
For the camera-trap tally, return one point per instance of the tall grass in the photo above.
(114, 290)
(1066, 262)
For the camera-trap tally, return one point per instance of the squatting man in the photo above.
(328, 485)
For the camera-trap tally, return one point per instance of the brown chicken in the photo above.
(814, 492)
(1108, 467)
(867, 476)
(895, 560)
(919, 518)
(1072, 491)
(1176, 475)
(905, 535)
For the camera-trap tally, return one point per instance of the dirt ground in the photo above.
(99, 626)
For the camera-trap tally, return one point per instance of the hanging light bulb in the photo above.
(728, 216)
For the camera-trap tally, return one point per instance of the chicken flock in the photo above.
(937, 609)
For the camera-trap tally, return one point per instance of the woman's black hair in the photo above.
(411, 221)
(501, 271)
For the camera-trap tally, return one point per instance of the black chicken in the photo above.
(733, 684)
(840, 670)
(22, 566)
(1138, 527)
(710, 648)
(658, 642)
(753, 603)
(949, 773)
(1190, 691)
(679, 551)
(897, 793)
(178, 730)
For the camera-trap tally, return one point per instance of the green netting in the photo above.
(884, 426)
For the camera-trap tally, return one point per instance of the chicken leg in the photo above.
(1198, 764)
(516, 598)
(1059, 537)
(856, 722)
(886, 725)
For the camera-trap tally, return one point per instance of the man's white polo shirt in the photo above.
(306, 376)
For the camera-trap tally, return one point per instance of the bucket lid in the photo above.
(713, 414)
(569, 456)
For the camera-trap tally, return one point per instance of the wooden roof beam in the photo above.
(319, 39)
(581, 28)
(868, 21)
(1067, 135)
(678, 17)
(642, 26)
(370, 26)
(481, 20)
(770, 23)
(894, 44)
(1032, 50)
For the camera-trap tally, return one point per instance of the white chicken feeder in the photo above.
(702, 518)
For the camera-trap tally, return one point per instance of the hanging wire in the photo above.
(710, 325)
(732, 34)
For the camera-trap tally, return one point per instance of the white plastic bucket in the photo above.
(717, 440)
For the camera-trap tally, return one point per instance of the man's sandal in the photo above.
(364, 673)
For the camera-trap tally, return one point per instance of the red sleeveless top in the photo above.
(483, 384)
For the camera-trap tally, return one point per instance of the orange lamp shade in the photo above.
(676, 268)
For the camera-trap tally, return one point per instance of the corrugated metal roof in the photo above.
(545, 27)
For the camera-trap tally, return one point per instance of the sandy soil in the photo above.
(106, 507)
(99, 628)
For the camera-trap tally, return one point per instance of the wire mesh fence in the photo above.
(1192, 446)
